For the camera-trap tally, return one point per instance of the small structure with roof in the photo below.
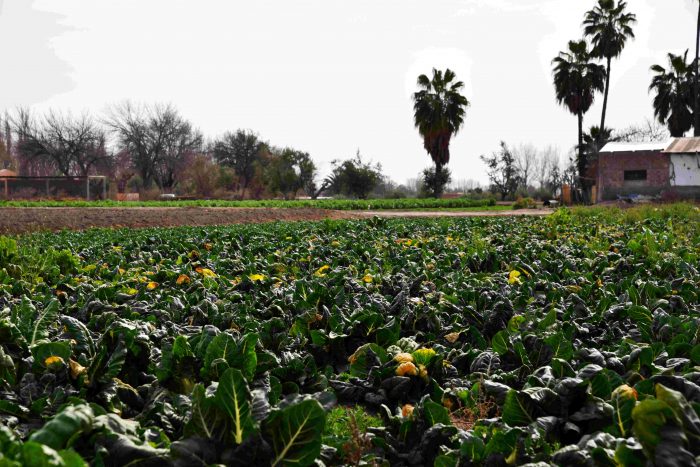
(684, 159)
(667, 170)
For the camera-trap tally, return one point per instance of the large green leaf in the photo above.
(649, 417)
(365, 358)
(177, 366)
(222, 346)
(106, 365)
(39, 455)
(8, 371)
(683, 410)
(65, 427)
(295, 433)
(246, 358)
(630, 454)
(500, 343)
(206, 419)
(624, 399)
(239, 355)
(233, 398)
(549, 319)
(517, 409)
(43, 351)
(642, 317)
(561, 346)
(388, 334)
(435, 413)
(503, 442)
(80, 333)
(34, 323)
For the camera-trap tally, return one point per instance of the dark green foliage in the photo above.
(439, 109)
(288, 170)
(502, 171)
(239, 150)
(567, 340)
(674, 99)
(434, 182)
(609, 26)
(354, 177)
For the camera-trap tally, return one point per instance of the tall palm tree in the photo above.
(439, 109)
(609, 26)
(673, 103)
(576, 80)
(696, 83)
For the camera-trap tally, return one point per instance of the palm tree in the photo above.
(609, 26)
(696, 83)
(595, 140)
(439, 109)
(673, 103)
(576, 80)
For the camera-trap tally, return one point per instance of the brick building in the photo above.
(666, 170)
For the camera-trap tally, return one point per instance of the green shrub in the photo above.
(8, 251)
(524, 203)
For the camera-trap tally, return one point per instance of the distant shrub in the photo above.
(524, 203)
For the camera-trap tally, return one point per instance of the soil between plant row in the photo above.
(24, 220)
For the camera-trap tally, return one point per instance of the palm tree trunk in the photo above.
(581, 163)
(605, 100)
(697, 81)
(437, 187)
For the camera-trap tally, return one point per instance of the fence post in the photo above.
(104, 188)
(87, 179)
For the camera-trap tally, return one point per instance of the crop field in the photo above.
(336, 204)
(566, 340)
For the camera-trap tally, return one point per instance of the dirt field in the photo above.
(22, 220)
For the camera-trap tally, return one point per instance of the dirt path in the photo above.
(22, 220)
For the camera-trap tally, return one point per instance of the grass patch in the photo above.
(458, 209)
(682, 211)
(346, 430)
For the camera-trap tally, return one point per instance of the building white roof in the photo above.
(634, 147)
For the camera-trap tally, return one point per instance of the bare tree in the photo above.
(413, 185)
(6, 160)
(651, 131)
(548, 167)
(71, 145)
(180, 150)
(156, 137)
(464, 185)
(8, 133)
(525, 161)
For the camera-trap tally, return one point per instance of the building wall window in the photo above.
(635, 175)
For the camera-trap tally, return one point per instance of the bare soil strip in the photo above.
(23, 220)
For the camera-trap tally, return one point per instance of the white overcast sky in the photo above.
(328, 76)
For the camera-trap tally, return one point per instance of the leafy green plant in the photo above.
(561, 340)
